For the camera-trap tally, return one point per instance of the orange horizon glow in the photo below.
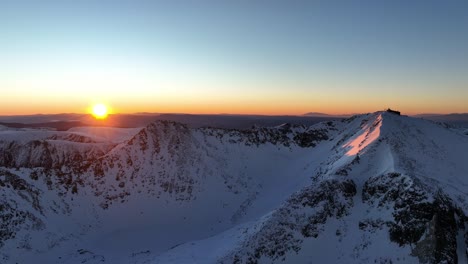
(254, 103)
(164, 58)
(249, 108)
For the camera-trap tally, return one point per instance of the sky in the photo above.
(239, 57)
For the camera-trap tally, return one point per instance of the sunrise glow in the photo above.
(100, 111)
(278, 59)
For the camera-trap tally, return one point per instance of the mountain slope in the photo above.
(375, 188)
(380, 198)
(401, 190)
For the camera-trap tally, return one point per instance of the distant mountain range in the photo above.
(453, 119)
(317, 114)
(63, 122)
(456, 116)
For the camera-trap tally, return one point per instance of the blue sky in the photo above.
(292, 56)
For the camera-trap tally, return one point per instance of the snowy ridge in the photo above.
(375, 188)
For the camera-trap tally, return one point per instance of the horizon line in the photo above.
(312, 114)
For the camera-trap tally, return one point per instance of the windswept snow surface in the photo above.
(374, 188)
(368, 134)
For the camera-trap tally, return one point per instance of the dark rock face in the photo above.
(427, 222)
(285, 135)
(302, 217)
(310, 138)
(329, 192)
(72, 138)
(47, 154)
(13, 219)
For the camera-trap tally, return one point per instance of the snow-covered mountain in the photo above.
(375, 188)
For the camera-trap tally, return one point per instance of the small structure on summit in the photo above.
(393, 111)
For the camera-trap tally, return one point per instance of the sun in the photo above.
(100, 111)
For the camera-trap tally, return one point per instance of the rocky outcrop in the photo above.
(427, 221)
(302, 217)
(49, 154)
(13, 216)
(285, 135)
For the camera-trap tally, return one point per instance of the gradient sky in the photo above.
(258, 57)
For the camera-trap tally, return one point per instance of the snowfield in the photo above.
(374, 188)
